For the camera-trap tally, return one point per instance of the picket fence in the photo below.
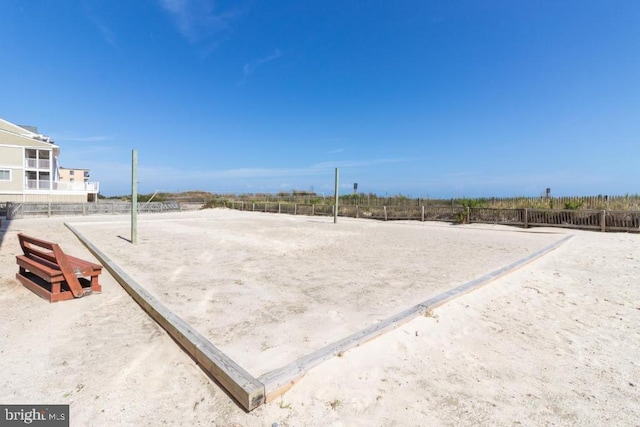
(602, 220)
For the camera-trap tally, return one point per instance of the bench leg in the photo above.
(57, 294)
(95, 286)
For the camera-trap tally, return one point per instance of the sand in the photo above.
(555, 342)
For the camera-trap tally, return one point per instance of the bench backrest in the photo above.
(32, 246)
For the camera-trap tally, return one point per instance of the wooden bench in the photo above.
(52, 274)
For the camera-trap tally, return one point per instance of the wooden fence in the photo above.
(592, 219)
(29, 210)
(603, 220)
(617, 202)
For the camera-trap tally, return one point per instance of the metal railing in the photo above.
(38, 184)
(91, 187)
(45, 184)
(38, 163)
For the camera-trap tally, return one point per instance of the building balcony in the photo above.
(38, 163)
(88, 187)
(42, 184)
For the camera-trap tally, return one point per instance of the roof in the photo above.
(12, 134)
(73, 169)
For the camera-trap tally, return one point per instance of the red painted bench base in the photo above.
(52, 274)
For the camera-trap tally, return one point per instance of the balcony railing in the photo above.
(38, 163)
(90, 187)
(33, 184)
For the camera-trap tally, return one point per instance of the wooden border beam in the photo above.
(278, 381)
(246, 389)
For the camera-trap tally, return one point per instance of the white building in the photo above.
(29, 170)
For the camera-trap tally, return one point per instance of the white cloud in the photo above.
(317, 169)
(107, 35)
(479, 184)
(115, 178)
(358, 163)
(197, 20)
(92, 138)
(253, 65)
(105, 32)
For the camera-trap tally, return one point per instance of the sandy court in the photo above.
(267, 289)
(554, 342)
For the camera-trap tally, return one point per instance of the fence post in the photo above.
(253, 206)
(385, 212)
(525, 217)
(422, 214)
(313, 210)
(357, 211)
(295, 209)
(603, 221)
(279, 211)
(468, 215)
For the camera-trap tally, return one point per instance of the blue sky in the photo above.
(420, 98)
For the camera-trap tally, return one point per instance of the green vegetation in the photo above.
(473, 203)
(573, 204)
(214, 203)
(371, 200)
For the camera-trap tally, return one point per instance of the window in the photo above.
(5, 174)
(72, 172)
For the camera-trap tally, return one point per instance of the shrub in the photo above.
(573, 204)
